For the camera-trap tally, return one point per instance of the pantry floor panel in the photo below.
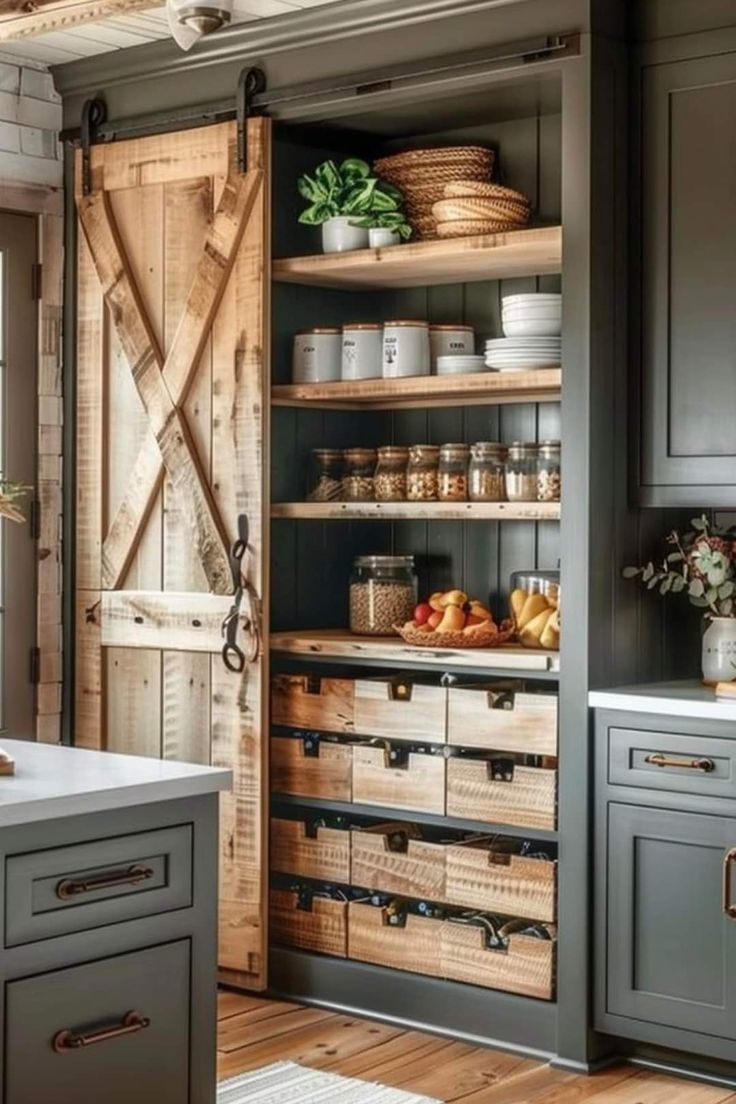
(255, 1031)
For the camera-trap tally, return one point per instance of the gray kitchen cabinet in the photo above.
(685, 183)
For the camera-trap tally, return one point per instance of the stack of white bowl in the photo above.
(460, 364)
(532, 325)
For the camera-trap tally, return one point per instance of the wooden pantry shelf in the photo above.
(481, 388)
(535, 252)
(345, 647)
(418, 511)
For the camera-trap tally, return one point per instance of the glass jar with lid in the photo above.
(521, 472)
(549, 472)
(422, 473)
(453, 473)
(357, 481)
(383, 594)
(325, 476)
(390, 478)
(487, 472)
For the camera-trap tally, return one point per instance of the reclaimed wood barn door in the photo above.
(172, 389)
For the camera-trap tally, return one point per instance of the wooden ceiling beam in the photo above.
(27, 18)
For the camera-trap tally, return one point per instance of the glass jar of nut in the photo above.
(453, 473)
(487, 472)
(521, 472)
(383, 594)
(390, 478)
(549, 481)
(325, 477)
(358, 483)
(422, 473)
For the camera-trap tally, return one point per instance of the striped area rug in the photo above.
(288, 1083)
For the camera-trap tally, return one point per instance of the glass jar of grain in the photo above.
(383, 594)
(521, 472)
(357, 481)
(390, 478)
(487, 472)
(452, 478)
(549, 481)
(325, 476)
(422, 474)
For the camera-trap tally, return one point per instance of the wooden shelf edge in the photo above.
(536, 251)
(342, 646)
(486, 388)
(418, 511)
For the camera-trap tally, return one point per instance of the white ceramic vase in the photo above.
(339, 235)
(719, 650)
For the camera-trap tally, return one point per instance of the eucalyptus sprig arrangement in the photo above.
(349, 189)
(700, 565)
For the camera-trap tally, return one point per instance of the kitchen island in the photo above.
(108, 930)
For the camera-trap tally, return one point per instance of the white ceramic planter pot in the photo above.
(339, 236)
(379, 237)
(719, 650)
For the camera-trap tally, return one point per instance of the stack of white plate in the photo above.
(460, 364)
(532, 315)
(522, 354)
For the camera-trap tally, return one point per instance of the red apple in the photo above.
(422, 613)
(435, 619)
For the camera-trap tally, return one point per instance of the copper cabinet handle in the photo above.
(657, 759)
(728, 906)
(131, 1023)
(132, 875)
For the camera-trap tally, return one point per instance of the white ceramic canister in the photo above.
(362, 350)
(317, 355)
(450, 341)
(719, 650)
(405, 348)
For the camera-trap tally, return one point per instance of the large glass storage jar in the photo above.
(538, 582)
(325, 476)
(487, 472)
(549, 472)
(453, 473)
(357, 481)
(521, 472)
(390, 478)
(383, 594)
(422, 474)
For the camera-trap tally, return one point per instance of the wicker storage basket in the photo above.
(491, 636)
(448, 210)
(466, 228)
(456, 189)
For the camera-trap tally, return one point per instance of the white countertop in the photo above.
(52, 781)
(672, 699)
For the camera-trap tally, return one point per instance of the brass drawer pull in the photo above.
(132, 875)
(131, 1023)
(657, 759)
(728, 906)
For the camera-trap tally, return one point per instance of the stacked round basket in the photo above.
(448, 192)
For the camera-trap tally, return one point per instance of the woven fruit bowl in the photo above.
(482, 636)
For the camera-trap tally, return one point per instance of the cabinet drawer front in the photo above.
(321, 928)
(670, 761)
(484, 877)
(136, 1063)
(513, 721)
(527, 801)
(326, 855)
(416, 947)
(306, 701)
(526, 966)
(419, 871)
(419, 785)
(401, 709)
(328, 774)
(88, 885)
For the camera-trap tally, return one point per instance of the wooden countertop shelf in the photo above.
(345, 647)
(535, 252)
(481, 388)
(418, 511)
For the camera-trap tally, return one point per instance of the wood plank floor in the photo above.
(254, 1032)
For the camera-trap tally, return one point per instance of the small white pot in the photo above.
(719, 650)
(379, 237)
(340, 236)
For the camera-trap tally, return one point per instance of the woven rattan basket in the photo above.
(485, 636)
(435, 156)
(468, 228)
(493, 210)
(457, 189)
(421, 175)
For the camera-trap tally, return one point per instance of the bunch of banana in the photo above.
(537, 619)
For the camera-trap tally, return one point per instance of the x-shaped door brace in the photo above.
(163, 383)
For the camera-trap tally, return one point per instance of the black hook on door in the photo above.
(94, 114)
(251, 83)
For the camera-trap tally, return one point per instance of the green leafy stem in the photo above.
(349, 189)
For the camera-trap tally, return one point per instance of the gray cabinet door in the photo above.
(671, 948)
(65, 1039)
(688, 278)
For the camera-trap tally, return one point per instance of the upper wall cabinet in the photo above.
(687, 283)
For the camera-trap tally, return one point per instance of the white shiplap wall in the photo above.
(30, 120)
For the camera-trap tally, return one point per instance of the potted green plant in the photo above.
(701, 565)
(385, 228)
(347, 201)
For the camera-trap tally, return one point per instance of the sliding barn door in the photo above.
(172, 389)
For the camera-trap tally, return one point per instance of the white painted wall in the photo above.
(30, 119)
